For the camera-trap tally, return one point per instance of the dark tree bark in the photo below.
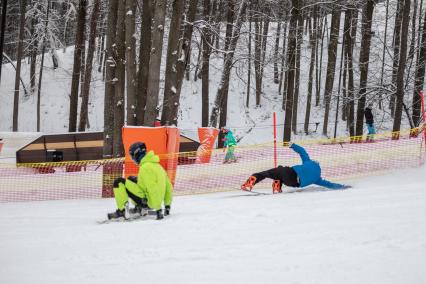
(169, 114)
(120, 77)
(144, 57)
(229, 22)
(151, 110)
(109, 80)
(384, 52)
(291, 61)
(350, 36)
(19, 52)
(206, 42)
(299, 39)
(331, 64)
(405, 6)
(249, 19)
(276, 50)
(89, 66)
(131, 62)
(40, 76)
(419, 77)
(283, 53)
(367, 16)
(396, 47)
(33, 57)
(79, 45)
(184, 53)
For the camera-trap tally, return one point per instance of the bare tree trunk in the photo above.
(384, 51)
(23, 8)
(131, 62)
(313, 43)
(396, 46)
(120, 76)
(277, 46)
(151, 110)
(206, 42)
(249, 58)
(40, 75)
(79, 45)
(144, 60)
(283, 60)
(229, 21)
(297, 75)
(367, 16)
(109, 80)
(184, 53)
(291, 61)
(319, 67)
(171, 97)
(222, 91)
(420, 76)
(331, 64)
(257, 58)
(351, 87)
(228, 39)
(33, 57)
(89, 66)
(405, 6)
(413, 31)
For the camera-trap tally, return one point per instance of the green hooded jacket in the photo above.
(229, 139)
(154, 181)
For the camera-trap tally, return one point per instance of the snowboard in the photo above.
(133, 217)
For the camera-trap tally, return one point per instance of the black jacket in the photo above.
(368, 116)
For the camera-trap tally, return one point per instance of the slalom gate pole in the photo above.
(275, 139)
(422, 101)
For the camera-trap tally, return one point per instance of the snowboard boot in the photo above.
(123, 213)
(166, 210)
(159, 214)
(138, 209)
(248, 185)
(276, 186)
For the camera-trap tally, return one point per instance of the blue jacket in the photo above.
(309, 172)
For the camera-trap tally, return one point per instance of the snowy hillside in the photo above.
(253, 124)
(372, 233)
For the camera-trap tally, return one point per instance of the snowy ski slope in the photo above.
(372, 233)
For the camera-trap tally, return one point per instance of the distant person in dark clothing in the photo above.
(369, 120)
(309, 172)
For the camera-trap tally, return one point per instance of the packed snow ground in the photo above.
(372, 233)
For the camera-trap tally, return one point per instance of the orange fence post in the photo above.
(164, 141)
(207, 136)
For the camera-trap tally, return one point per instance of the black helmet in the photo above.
(137, 151)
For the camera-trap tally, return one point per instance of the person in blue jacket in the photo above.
(309, 172)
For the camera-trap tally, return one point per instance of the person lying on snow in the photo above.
(147, 191)
(309, 172)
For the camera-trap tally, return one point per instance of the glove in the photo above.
(290, 144)
(167, 210)
(346, 186)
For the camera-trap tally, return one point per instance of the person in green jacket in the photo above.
(148, 190)
(230, 143)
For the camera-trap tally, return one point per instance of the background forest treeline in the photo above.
(353, 55)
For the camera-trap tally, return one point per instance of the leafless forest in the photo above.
(124, 39)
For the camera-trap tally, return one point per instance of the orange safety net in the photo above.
(341, 160)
